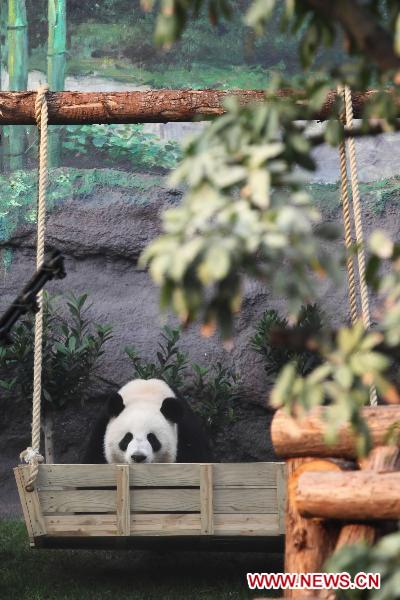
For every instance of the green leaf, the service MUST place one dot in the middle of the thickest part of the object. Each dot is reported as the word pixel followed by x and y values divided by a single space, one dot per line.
pixel 215 266
pixel 259 12
pixel 334 132
pixel 380 244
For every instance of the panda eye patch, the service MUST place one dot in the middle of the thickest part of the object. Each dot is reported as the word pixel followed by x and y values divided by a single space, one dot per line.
pixel 154 442
pixel 125 441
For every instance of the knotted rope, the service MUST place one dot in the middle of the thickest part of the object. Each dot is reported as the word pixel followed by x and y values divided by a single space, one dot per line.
pixel 356 203
pixel 32 454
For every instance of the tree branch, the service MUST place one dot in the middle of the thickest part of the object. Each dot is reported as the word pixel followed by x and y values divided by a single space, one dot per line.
pixel 356 132
pixel 360 25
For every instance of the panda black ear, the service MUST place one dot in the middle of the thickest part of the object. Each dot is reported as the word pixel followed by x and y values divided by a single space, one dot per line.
pixel 172 409
pixel 115 405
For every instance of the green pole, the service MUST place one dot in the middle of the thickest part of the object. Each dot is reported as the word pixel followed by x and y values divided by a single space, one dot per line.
pixel 17 30
pixel 56 49
pixel 3 25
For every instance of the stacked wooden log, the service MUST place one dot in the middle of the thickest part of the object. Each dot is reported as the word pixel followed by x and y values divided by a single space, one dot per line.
pixel 332 499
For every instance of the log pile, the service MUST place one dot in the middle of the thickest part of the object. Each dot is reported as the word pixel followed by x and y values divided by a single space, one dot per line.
pixel 333 500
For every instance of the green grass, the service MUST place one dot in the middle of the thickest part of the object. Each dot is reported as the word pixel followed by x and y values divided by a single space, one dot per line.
pixel 18 191
pixel 376 195
pixel 197 76
pixel 96 575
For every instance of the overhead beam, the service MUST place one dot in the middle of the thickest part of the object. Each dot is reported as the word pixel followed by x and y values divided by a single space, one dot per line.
pixel 153 106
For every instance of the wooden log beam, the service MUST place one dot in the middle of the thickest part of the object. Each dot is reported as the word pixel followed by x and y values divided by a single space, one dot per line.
pixel 356 496
pixel 306 437
pixel 308 542
pixel 383 459
pixel 153 106
pixel 380 459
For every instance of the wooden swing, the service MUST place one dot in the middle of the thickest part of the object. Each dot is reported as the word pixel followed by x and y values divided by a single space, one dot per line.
pixel 220 505
pixel 127 503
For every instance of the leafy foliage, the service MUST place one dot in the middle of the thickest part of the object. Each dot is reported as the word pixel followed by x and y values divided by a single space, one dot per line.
pixel 382 558
pixel 350 366
pixel 243 211
pixel 121 143
pixel 171 363
pixel 72 347
pixel 275 357
pixel 213 388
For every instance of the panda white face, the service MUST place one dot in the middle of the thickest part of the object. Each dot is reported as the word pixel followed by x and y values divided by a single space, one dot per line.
pixel 144 428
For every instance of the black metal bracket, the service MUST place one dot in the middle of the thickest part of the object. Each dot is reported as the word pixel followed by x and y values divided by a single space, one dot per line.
pixel 53 267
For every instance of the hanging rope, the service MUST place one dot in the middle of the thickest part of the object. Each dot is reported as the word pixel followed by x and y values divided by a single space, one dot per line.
pixel 32 454
pixel 356 201
pixel 348 237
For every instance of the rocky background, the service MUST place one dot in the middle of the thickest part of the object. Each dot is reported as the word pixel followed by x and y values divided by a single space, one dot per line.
pixel 101 236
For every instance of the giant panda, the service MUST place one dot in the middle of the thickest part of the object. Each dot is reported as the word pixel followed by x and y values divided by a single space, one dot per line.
pixel 144 422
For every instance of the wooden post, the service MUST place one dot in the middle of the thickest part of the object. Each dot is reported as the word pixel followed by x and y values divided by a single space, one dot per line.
pixel 123 501
pixel 206 500
pixel 308 541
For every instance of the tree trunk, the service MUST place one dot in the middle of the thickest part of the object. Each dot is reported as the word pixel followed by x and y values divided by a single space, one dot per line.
pixel 56 67
pixel 48 430
pixel 308 542
pixel 153 106
pixel 18 73
pixel 306 437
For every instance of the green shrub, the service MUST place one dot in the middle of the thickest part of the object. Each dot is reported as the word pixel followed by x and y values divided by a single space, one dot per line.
pixel 121 143
pixel 213 389
pixel 170 364
pixel 275 357
pixel 72 347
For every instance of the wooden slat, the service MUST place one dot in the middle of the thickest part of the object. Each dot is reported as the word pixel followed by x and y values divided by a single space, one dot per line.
pixel 242 500
pixel 165 500
pixel 226 500
pixel 123 500
pixel 245 474
pixel 104 475
pixel 81 525
pixel 73 501
pixel 162 525
pixel 159 475
pixel 164 475
pixel 281 495
pixel 22 492
pixel 76 476
pixel 246 525
pixel 206 499
pixel 32 504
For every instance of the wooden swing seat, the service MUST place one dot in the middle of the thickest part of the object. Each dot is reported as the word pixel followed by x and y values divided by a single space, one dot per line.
pixel 116 505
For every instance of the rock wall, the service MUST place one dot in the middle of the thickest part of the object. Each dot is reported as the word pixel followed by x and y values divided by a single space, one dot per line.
pixel 101 237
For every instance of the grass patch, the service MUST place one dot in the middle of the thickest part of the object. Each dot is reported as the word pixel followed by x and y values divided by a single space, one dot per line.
pixel 96 575
pixel 194 76
pixel 376 195
pixel 18 191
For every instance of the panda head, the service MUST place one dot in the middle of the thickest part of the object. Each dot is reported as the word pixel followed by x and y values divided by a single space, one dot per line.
pixel 143 423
